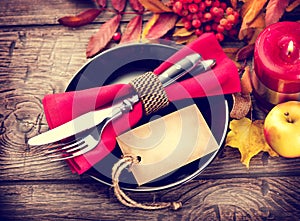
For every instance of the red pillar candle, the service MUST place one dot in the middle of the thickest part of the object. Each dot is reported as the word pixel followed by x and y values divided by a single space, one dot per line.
pixel 276 74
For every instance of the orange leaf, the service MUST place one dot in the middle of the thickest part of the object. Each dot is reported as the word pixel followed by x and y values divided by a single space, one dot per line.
pixel 164 23
pixel 182 32
pixel 99 40
pixel 81 19
pixel 149 25
pixel 119 5
pixel 136 5
pixel 133 30
pixel 249 138
pixel 275 10
pixel 155 6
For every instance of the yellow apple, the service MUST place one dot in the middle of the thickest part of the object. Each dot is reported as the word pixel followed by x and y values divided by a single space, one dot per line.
pixel 282 129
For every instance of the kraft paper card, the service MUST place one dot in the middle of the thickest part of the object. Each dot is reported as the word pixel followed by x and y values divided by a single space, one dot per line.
pixel 168 143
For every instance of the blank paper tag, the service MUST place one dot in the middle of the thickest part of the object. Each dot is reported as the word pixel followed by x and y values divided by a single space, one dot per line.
pixel 168 143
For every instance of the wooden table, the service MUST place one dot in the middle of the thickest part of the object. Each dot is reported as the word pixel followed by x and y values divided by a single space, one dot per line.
pixel 37 57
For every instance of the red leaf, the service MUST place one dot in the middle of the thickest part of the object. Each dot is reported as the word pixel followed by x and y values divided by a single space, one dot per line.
pixel 133 30
pixel 101 3
pixel 275 10
pixel 100 39
pixel 164 23
pixel 119 5
pixel 136 5
pixel 81 19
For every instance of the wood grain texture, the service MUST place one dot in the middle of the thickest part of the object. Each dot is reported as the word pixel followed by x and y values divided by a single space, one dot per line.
pixel 41 60
pixel 37 57
pixel 39 12
pixel 226 199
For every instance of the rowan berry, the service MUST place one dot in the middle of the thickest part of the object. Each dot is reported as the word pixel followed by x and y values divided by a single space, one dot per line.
pixel 220 37
pixel 187 25
pixel 193 8
pixel 117 36
pixel 196 23
pixel 229 11
pixel 198 32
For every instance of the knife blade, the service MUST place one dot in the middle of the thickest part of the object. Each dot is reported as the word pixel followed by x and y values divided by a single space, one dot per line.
pixel 91 119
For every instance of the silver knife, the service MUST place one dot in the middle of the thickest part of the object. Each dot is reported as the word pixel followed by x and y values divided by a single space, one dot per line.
pixel 86 121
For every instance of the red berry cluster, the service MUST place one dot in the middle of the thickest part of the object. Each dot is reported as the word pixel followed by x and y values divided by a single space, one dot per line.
pixel 207 16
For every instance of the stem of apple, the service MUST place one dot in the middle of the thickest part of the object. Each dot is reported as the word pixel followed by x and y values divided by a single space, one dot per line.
pixel 288 118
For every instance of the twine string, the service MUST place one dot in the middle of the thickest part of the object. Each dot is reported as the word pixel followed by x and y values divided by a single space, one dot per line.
pixel 128 161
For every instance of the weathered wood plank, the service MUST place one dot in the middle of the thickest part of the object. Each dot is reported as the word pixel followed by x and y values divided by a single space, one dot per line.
pixel 41 60
pixel 222 199
pixel 38 12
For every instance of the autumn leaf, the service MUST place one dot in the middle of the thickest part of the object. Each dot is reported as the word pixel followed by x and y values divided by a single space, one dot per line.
pixel 155 6
pixel 182 32
pixel 275 10
pixel 161 26
pixel 242 101
pixel 99 40
pixel 249 138
pixel 293 5
pixel 149 25
pixel 101 3
pixel 245 52
pixel 133 30
pixel 233 3
pixel 81 19
pixel 186 40
pixel 251 13
pixel 136 5
pixel 119 5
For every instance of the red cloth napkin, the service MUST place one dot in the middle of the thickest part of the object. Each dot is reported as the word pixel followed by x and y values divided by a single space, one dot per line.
pixel 60 108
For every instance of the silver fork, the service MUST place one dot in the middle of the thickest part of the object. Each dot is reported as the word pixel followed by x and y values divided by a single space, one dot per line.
pixel 83 144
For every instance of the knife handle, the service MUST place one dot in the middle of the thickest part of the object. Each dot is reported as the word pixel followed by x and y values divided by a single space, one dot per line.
pixel 179 69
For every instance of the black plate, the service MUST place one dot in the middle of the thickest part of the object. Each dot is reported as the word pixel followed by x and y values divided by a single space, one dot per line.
pixel 122 63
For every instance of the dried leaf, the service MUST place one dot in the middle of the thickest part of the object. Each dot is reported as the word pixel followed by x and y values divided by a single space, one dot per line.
pixel 246 86
pixel 101 3
pixel 252 17
pixel 164 23
pixel 136 5
pixel 119 5
pixel 81 19
pixel 133 30
pixel 249 138
pixel 233 3
pixel 293 5
pixel 245 52
pixel 182 32
pixel 149 25
pixel 241 105
pixel 180 23
pixel 155 6
pixel 99 40
pixel 275 10
pixel 248 30
pixel 186 40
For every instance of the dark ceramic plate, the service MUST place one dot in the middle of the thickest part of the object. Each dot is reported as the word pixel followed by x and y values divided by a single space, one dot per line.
pixel 122 63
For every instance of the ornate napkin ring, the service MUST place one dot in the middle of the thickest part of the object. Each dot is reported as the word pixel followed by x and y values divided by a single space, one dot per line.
pixel 150 91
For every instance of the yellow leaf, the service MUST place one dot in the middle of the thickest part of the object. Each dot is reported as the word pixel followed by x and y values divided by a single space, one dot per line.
pixel 155 6
pixel 249 138
pixel 182 32
pixel 149 25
